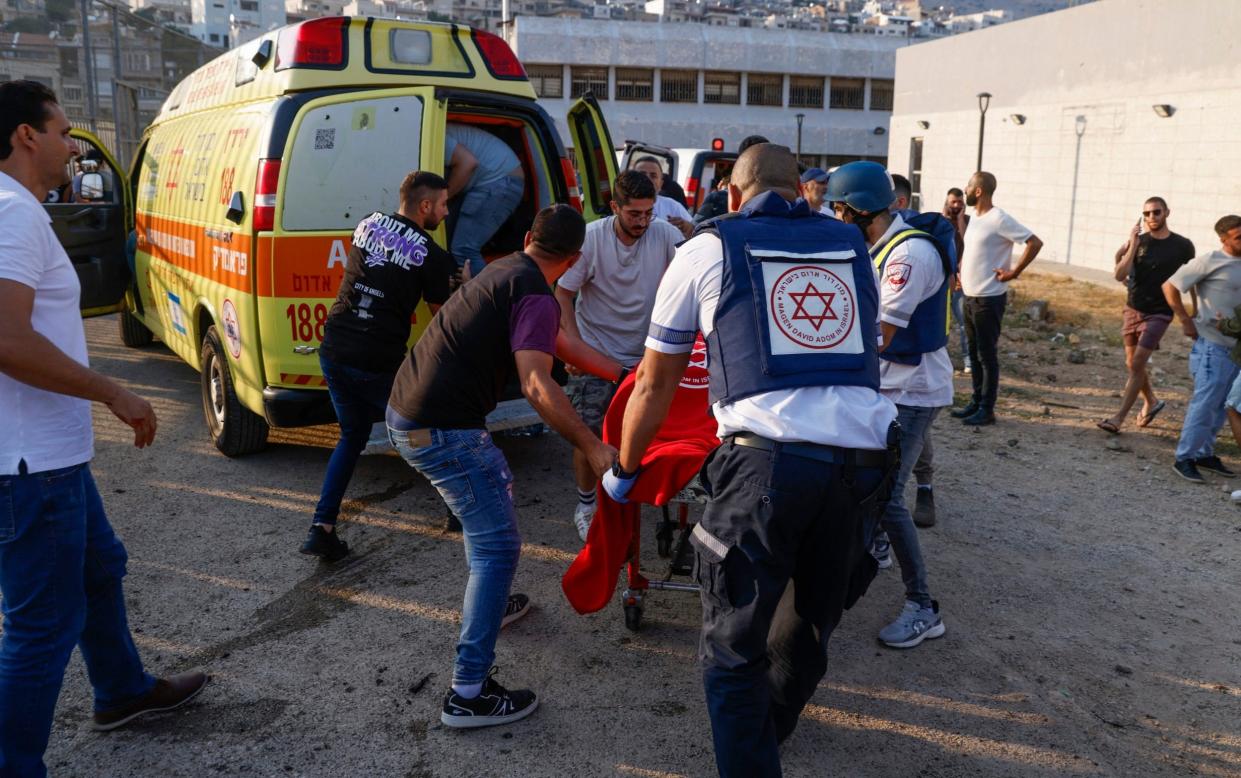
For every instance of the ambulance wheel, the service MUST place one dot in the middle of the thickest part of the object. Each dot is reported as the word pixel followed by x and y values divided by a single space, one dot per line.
pixel 133 332
pixel 235 429
pixel 633 617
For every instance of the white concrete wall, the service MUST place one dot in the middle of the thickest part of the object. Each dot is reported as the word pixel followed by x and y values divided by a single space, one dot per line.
pixel 1108 62
pixel 703 47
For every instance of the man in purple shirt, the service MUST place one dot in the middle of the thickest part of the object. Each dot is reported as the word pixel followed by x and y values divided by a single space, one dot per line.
pixel 504 320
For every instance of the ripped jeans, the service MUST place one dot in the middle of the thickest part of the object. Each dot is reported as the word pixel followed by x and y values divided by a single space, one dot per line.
pixel 476 482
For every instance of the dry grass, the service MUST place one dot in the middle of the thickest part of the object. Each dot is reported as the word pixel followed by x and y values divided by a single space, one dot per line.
pixel 1074 304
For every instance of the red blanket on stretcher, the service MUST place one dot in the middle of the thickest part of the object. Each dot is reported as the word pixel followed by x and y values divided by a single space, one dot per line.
pixel 674 458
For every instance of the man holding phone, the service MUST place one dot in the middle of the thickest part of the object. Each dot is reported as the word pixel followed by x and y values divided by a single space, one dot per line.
pixel 1144 263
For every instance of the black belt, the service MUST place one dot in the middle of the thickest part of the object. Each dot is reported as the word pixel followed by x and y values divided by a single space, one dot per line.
pixel 832 454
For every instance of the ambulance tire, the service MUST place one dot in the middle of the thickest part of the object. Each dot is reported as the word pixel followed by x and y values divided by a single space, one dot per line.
pixel 234 428
pixel 133 332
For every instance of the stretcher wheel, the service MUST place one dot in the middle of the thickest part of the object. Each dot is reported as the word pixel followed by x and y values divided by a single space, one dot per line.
pixel 633 617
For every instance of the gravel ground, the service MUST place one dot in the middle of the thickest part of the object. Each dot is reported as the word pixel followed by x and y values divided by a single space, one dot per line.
pixel 1088 592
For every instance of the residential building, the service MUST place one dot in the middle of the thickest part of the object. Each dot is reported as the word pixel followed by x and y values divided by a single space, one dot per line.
pixel 1081 128
pixel 228 23
pixel 684 84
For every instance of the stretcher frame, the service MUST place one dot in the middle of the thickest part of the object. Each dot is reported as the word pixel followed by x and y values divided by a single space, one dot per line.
pixel 637 583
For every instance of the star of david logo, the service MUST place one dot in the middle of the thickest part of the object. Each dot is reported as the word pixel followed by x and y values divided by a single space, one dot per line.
pixel 803 314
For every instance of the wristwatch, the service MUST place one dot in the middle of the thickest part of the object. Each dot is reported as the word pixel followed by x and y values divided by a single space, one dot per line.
pixel 617 472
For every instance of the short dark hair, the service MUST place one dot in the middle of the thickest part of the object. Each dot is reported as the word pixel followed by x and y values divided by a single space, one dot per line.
pixel 560 229
pixel 985 181
pixel 419 186
pixel 1227 224
pixel 633 185
pixel 22 102
pixel 901 186
pixel 956 192
pixel 1157 199
pixel 748 141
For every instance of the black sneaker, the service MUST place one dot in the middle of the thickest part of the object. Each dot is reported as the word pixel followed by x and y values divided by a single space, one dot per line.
pixel 967 411
pixel 518 606
pixel 1186 469
pixel 1214 465
pixel 981 418
pixel 494 705
pixel 325 545
pixel 924 510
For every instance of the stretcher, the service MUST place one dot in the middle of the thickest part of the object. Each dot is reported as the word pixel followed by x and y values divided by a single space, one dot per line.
pixel 637 582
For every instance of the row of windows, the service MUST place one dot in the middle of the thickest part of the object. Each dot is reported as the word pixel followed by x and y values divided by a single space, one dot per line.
pixel 718 87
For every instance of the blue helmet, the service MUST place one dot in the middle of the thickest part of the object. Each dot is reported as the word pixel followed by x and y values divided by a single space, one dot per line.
pixel 863 186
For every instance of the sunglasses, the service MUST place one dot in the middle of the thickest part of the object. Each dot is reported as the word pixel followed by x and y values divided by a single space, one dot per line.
pixel 1156 212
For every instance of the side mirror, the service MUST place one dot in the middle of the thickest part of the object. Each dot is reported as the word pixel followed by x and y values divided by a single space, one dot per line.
pixel 236 208
pixel 92 186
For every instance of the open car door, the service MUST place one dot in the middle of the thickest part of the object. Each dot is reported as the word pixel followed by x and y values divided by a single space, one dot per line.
pixel 92 216
pixel 593 152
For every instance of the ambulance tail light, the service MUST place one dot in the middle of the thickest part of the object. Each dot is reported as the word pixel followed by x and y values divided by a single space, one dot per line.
pixel 500 60
pixel 265 183
pixel 691 192
pixel 570 181
pixel 317 43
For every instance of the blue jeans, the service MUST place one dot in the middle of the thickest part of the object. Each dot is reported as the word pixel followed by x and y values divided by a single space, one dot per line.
pixel 475 481
pixel 777 552
pixel 360 398
pixel 897 522
pixel 958 323
pixel 483 211
pixel 1213 373
pixel 60 575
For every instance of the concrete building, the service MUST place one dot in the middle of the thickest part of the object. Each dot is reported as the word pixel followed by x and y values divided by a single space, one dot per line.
pixel 1094 109
pixel 228 23
pixel 684 84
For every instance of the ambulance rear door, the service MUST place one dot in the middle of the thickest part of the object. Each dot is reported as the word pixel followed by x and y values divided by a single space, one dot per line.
pixel 343 158
pixel 596 160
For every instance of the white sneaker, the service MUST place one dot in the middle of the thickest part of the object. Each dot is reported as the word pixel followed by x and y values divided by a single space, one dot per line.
pixel 1236 496
pixel 582 517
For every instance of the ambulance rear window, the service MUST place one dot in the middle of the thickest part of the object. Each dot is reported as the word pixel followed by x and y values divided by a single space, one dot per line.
pixel 348 159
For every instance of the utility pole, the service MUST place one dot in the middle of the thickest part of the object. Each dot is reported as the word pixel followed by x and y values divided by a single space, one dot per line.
pixel 984 101
pixel 118 147
pixel 92 99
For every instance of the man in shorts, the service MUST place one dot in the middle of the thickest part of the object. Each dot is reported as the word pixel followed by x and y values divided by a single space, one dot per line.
pixel 1144 263
pixel 614 283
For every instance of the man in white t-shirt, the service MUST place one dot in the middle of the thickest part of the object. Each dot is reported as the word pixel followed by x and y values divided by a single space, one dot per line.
pixel 665 207
pixel 614 282
pixel 914 369
pixel 60 562
pixel 986 270
pixel 794 382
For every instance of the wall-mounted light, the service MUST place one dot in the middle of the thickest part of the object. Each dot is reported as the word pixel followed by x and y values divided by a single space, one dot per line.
pixel 1018 118
pixel 879 131
pixel 923 124
pixel 1163 110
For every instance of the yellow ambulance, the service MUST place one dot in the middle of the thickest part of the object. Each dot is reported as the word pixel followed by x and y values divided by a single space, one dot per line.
pixel 248 185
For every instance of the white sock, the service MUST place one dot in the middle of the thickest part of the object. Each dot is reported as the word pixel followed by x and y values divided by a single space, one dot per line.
pixel 468 690
pixel 587 497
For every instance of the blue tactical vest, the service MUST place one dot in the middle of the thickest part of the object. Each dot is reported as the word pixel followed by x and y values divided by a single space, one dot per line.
pixel 928 327
pixel 798 303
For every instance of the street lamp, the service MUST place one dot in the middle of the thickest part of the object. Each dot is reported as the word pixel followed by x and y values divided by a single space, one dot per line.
pixel 801 117
pixel 984 102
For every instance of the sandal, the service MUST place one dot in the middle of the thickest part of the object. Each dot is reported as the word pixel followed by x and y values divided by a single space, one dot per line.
pixel 1107 426
pixel 1145 419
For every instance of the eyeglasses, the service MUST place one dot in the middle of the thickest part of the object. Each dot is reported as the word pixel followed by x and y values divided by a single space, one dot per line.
pixel 1156 212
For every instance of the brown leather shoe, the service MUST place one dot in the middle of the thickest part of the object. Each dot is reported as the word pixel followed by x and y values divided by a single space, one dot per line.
pixel 168 693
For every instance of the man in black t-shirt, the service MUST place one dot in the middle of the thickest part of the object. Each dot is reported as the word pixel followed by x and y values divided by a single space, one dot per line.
pixel 393 265
pixel 1144 263
pixel 503 321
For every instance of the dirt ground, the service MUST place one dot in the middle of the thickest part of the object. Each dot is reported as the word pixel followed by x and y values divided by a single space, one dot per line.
pixel 1089 594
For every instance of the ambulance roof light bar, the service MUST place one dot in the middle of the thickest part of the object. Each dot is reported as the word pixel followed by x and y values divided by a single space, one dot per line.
pixel 321 44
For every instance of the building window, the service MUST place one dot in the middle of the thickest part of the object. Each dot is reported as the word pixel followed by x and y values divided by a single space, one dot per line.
pixel 764 89
pixel 249 5
pixel 848 93
pixel 678 86
pixel 721 88
pixel 71 93
pixel 588 80
pixel 915 173
pixel 547 80
pixel 880 95
pixel 635 84
pixel 215 38
pixel 805 92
